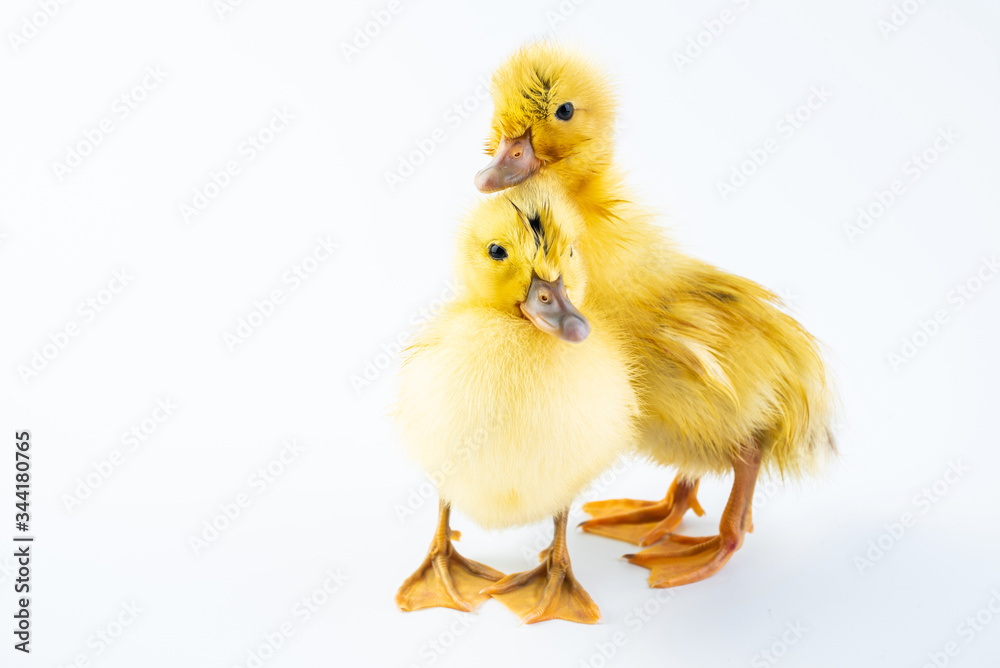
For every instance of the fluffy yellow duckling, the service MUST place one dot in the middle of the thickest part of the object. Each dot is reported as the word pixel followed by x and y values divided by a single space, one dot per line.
pixel 513 400
pixel 727 380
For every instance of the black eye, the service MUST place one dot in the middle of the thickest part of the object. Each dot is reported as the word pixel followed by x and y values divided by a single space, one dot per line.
pixel 565 111
pixel 497 252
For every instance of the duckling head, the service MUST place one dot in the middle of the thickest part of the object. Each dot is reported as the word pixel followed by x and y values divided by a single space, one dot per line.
pixel 553 110
pixel 516 254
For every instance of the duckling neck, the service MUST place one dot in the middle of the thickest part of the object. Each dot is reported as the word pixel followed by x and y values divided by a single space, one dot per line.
pixel 601 199
pixel 597 193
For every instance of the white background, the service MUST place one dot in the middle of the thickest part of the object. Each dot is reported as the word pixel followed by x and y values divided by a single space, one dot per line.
pixel 336 507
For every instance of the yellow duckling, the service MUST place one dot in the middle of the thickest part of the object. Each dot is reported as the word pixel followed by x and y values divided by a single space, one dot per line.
pixel 727 381
pixel 513 400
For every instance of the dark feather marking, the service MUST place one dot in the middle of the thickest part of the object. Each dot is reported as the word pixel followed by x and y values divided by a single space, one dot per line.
pixel 722 296
pixel 533 224
pixel 536 94
pixel 536 229
pixel 542 79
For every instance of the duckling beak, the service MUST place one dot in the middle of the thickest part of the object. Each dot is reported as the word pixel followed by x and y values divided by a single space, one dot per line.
pixel 550 310
pixel 513 162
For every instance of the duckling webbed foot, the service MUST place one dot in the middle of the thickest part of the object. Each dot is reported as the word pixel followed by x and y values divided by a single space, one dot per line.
pixel 643 522
pixel 446 579
pixel 678 560
pixel 549 591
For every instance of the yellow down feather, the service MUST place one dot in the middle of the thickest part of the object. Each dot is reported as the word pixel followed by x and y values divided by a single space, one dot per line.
pixel 510 422
pixel 720 365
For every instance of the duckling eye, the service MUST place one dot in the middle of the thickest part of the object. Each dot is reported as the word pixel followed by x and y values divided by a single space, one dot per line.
pixel 565 111
pixel 497 253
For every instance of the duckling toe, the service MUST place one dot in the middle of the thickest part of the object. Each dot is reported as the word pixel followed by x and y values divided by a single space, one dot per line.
pixel 548 591
pixel 643 522
pixel 545 593
pixel 622 526
pixel 612 507
pixel 446 581
pixel 680 560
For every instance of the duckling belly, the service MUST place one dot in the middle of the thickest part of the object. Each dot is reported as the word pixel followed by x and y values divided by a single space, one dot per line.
pixel 523 470
pixel 510 423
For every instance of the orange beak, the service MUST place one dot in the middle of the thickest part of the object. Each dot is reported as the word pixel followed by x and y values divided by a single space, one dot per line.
pixel 513 162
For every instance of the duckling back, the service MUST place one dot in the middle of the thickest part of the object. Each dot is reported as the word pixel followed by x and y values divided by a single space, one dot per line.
pixel 720 365
pixel 509 422
pixel 725 367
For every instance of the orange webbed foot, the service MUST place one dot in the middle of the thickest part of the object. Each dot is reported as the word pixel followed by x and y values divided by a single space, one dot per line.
pixel 548 591
pixel 643 522
pixel 678 560
pixel 446 579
